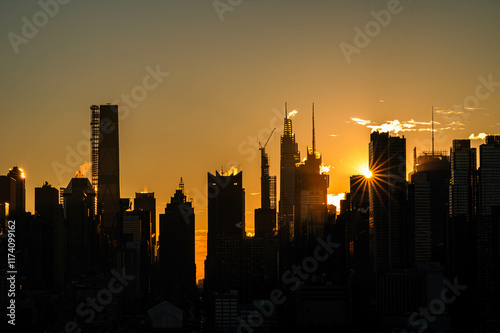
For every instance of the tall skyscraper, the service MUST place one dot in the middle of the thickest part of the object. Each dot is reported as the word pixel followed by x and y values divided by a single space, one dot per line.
pixel 463 182
pixel 289 156
pixel 311 187
pixel 226 229
pixel 50 217
pixel 20 194
pixel 429 193
pixel 357 225
pixel 488 230
pixel 460 232
pixel 387 191
pixel 7 199
pixel 146 201
pixel 226 207
pixel 108 192
pixel 265 216
pixel 489 175
pixel 177 254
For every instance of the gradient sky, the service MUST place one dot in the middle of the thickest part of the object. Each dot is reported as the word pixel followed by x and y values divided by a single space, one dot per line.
pixel 228 81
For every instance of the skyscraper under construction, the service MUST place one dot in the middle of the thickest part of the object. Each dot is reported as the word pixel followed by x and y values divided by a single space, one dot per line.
pixel 106 165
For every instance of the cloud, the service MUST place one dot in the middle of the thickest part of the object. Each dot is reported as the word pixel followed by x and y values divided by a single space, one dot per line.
pixel 333 134
pixel 412 125
pixel 360 121
pixel 472 109
pixel 448 112
pixel 480 136
pixel 381 101
pixel 455 124
pixel 393 126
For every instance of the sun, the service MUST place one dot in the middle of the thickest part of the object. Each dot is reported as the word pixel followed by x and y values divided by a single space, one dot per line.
pixel 365 171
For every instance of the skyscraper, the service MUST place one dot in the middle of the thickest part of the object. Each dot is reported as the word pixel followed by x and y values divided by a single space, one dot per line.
pixel 387 189
pixel 429 192
pixel 226 229
pixel 46 200
pixel 489 175
pixel 7 198
pixel 177 253
pixel 488 229
pixel 108 192
pixel 265 216
pixel 82 238
pixel 311 186
pixel 460 232
pixel 289 156
pixel 20 194
pixel 146 201
pixel 463 180
pixel 50 216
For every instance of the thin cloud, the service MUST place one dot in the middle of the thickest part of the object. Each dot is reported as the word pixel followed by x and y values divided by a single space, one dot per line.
pixel 360 121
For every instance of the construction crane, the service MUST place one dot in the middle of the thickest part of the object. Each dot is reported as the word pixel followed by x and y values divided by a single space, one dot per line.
pixel 269 138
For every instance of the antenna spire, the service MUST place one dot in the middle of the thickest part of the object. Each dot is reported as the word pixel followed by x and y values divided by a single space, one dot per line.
pixel 432 122
pixel 181 185
pixel 314 138
pixel 286 112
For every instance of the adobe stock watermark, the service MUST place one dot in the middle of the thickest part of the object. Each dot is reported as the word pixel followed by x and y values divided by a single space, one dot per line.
pixel 30 28
pixel 222 6
pixel 292 279
pixel 78 155
pixel 103 298
pixel 436 306
pixel 372 29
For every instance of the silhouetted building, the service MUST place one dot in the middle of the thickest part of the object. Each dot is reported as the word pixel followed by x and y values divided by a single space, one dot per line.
pixel 462 209
pixel 289 156
pixel 359 193
pixel 134 251
pixel 177 254
pixel 265 216
pixel 311 186
pixel 82 240
pixel 265 222
pixel 7 198
pixel 429 206
pixel 226 230
pixel 20 194
pixel 488 231
pixel 463 188
pixel 108 192
pixel 146 201
pixel 387 193
pixel 48 227
pixel 357 226
pixel 226 208
pixel 46 200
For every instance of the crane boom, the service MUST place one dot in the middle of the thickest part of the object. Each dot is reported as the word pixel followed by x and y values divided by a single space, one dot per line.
pixel 269 138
